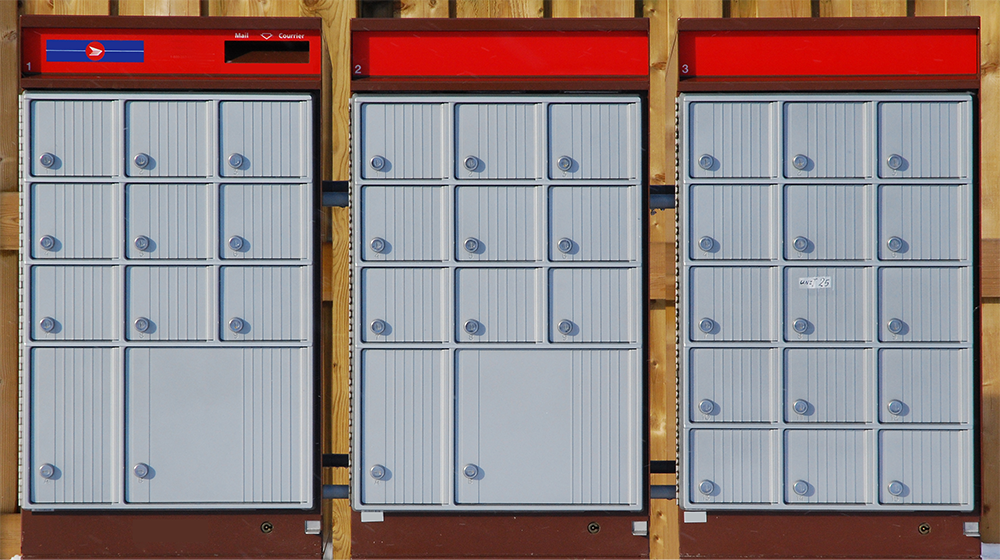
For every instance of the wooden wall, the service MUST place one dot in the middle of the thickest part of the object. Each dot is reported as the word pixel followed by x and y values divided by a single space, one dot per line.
pixel 336 14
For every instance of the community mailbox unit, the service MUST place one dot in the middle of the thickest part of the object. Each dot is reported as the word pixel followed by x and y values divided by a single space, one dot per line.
pixel 169 286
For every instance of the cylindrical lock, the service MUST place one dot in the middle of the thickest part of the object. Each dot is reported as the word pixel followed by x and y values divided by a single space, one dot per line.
pixel 472 326
pixel 894 244
pixel 565 163
pixel 895 326
pixel 895 488
pixel 706 325
pixel 378 244
pixel 895 407
pixel 895 161
pixel 377 472
pixel 471 163
pixel 142 243
pixel 236 243
pixel 378 326
pixel 47 242
pixel 377 163
pixel 800 406
pixel 706 243
pixel 800 244
pixel 706 162
pixel 800 325
pixel 141 160
pixel 141 470
pixel 706 406
pixel 47 160
pixel 565 326
pixel 235 161
pixel 706 487
pixel 470 471
pixel 800 487
pixel 236 325
pixel 472 244
pixel 800 162
pixel 142 324
pixel 48 324
pixel 47 470
pixel 565 245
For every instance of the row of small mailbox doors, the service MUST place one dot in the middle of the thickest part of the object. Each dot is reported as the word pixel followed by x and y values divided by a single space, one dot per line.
pixel 82 138
pixel 830 467
pixel 829 222
pixel 170 303
pixel 169 221
pixel 829 140
pixel 830 385
pixel 846 304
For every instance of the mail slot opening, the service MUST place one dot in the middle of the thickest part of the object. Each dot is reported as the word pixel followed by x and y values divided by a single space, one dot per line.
pixel 279 52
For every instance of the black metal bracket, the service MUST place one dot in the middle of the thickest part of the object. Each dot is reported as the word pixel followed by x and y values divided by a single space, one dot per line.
pixel 663 467
pixel 336 460
pixel 335 193
pixel 661 197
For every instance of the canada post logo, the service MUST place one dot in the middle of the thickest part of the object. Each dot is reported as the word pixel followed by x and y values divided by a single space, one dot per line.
pixel 65 50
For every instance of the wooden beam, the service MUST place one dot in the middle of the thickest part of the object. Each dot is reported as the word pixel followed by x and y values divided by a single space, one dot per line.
pixel 9 341
pixel 662 251
pixel 499 8
pixel 159 7
pixel 10 535
pixel 254 8
pixel 593 8
pixel 423 8
pixel 862 8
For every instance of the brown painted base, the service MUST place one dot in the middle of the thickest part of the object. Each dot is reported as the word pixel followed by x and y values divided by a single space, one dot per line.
pixel 497 536
pixel 167 535
pixel 814 535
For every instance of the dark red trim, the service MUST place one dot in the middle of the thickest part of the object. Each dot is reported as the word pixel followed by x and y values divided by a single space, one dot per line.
pixel 708 85
pixel 172 83
pixel 827 23
pixel 500 24
pixel 168 22
pixel 506 84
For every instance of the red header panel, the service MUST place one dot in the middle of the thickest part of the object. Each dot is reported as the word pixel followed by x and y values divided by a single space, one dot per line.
pixel 851 50
pixel 499 50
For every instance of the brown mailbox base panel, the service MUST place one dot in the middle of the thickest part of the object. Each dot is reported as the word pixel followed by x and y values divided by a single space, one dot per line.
pixel 816 535
pixel 497 536
pixel 158 535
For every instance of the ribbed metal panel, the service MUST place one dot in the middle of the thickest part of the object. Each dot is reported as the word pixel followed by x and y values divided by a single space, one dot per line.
pixel 928 136
pixel 410 301
pixel 504 303
pixel 272 137
pixel 839 312
pixel 502 221
pixel 832 136
pixel 595 136
pixel 174 300
pixel 268 300
pixel 732 385
pixel 569 443
pixel 403 396
pixel 82 300
pixel 929 302
pixel 503 137
pixel 409 137
pixel 834 383
pixel 270 221
pixel 81 136
pixel 932 222
pixel 927 385
pixel 833 464
pixel 738 301
pixel 737 137
pixel 596 302
pixel 932 466
pixel 83 220
pixel 409 221
pixel 173 217
pixel 732 221
pixel 841 235
pixel 598 221
pixel 174 135
pixel 73 421
pixel 737 464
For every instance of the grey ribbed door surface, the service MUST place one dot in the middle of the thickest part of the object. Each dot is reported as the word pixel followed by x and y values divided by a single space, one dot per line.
pixel 825 303
pixel 168 315
pixel 497 255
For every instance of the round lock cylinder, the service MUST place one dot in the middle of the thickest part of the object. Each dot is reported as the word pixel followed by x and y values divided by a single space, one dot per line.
pixel 565 163
pixel 141 470
pixel 800 244
pixel 142 324
pixel 47 324
pixel 565 326
pixel 378 244
pixel 800 487
pixel 47 242
pixel 472 326
pixel 471 163
pixel 706 487
pixel 377 163
pixel 47 470
pixel 895 161
pixel 142 243
pixel 800 325
pixel 378 326
pixel 471 244
pixel 800 162
pixel 895 488
pixel 895 407
pixel 236 325
pixel 235 161
pixel 706 243
pixel 706 325
pixel 141 160
pixel 706 406
pixel 236 243
pixel 894 244
pixel 377 472
pixel 47 160
pixel 565 245
pixel 706 162
pixel 470 471
pixel 800 406
pixel 895 326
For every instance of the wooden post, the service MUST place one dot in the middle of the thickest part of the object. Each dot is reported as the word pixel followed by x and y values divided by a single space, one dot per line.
pixel 593 8
pixel 499 8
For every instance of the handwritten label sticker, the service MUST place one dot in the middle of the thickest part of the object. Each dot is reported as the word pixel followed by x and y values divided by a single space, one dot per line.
pixel 816 283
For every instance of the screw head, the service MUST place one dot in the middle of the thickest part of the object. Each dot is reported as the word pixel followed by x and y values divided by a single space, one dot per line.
pixel 47 160
pixel 565 163
pixel 706 487
pixel 378 472
pixel 895 407
pixel 895 326
pixel 377 163
pixel 924 528
pixel 895 161
pixel 800 487
pixel 706 325
pixel 266 527
pixel 894 244
pixel 800 244
pixel 706 162
pixel 565 245
pixel 706 243
pixel 141 470
pixel 142 243
pixel 706 406
pixel 236 243
pixel 235 161
pixel 378 244
pixel 593 527
pixel 236 325
pixel 800 162
pixel 800 406
pixel 895 488
pixel 47 470
pixel 47 242
pixel 472 244
pixel 565 326
pixel 472 326
pixel 800 325
pixel 142 324
pixel 378 326
pixel 471 163
pixel 470 471
pixel 48 324
pixel 141 160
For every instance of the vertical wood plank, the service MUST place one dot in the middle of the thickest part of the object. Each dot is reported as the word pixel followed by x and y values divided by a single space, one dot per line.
pixel 878 8
pixel 835 8
pixel 10 535
pixel 941 8
pixel 593 8
pixel 499 8
pixel 337 395
pixel 254 8
pixel 159 7
pixel 65 7
pixel 8 263
pixel 423 8
pixel 770 8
